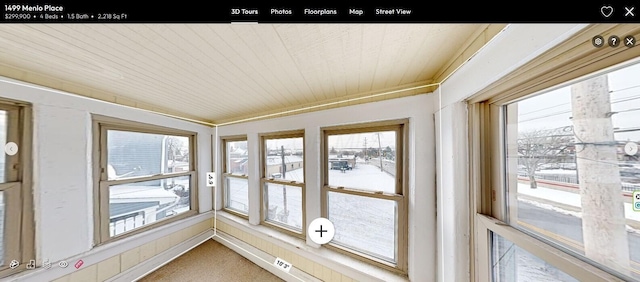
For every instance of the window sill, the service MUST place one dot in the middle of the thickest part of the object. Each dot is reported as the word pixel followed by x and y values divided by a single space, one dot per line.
pixel 346 265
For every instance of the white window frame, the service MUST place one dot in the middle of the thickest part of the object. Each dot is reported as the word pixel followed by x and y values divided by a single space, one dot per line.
pixel 264 179
pixel 226 175
pixel 19 225
pixel 401 128
pixel 486 143
pixel 488 160
pixel 101 125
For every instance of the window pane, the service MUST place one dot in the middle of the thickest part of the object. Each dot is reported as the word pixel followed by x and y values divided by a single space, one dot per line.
pixel 135 154
pixel 572 164
pixel 237 157
pixel 237 194
pixel 365 224
pixel 285 205
pixel 511 263
pixel 3 141
pixel 2 220
pixel 285 159
pixel 137 204
pixel 363 161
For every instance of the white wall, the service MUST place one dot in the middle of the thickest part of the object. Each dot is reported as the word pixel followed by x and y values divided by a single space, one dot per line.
pixel 62 165
pixel 510 49
pixel 421 153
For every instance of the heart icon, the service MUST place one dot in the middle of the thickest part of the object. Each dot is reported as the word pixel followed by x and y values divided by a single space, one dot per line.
pixel 606 11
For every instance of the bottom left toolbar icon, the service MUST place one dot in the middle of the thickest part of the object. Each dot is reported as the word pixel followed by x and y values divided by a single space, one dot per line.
pixel 14 264
pixel 46 264
pixel 31 264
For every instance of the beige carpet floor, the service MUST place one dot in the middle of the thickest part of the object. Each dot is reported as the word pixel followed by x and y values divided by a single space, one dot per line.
pixel 211 261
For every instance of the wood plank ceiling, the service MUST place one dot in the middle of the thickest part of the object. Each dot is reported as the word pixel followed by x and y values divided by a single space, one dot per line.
pixel 219 73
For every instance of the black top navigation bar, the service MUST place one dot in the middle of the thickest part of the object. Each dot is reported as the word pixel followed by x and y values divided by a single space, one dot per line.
pixel 304 12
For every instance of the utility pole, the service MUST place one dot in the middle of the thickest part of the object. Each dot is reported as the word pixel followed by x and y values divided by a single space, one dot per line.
pixel 380 153
pixel 284 164
pixel 365 150
pixel 603 218
pixel 284 188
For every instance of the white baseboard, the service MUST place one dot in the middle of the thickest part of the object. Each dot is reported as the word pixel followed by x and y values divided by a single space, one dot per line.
pixel 144 268
pixel 261 258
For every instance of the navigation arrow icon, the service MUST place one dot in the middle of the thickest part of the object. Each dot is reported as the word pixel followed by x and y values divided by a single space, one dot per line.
pixel 11 148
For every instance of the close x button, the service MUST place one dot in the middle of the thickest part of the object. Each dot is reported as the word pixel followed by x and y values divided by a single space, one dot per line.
pixel 629 41
pixel 630 11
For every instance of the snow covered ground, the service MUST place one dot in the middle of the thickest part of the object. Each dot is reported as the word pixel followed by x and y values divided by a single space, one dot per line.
pixel 275 198
pixel 567 198
pixel 238 193
pixel 557 171
pixel 511 263
pixel 367 224
pixel 362 223
pixel 363 176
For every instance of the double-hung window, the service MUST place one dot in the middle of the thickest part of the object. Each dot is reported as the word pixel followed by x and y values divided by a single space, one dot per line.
pixel 146 176
pixel 556 168
pixel 282 182
pixel 235 176
pixel 16 199
pixel 364 191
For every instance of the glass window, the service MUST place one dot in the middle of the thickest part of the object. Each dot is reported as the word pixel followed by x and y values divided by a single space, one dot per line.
pixel 285 205
pixel 3 168
pixel 283 182
pixel 511 263
pixel 235 177
pixel 136 154
pixel 16 206
pixel 3 142
pixel 147 177
pixel 363 191
pixel 2 220
pixel 573 164
pixel 365 224
pixel 136 204
pixel 360 161
pixel 237 194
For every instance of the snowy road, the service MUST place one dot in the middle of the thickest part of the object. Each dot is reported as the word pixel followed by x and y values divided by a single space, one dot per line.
pixel 569 228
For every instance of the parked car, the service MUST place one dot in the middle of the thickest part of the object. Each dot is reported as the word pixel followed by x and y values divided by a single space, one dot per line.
pixel 341 165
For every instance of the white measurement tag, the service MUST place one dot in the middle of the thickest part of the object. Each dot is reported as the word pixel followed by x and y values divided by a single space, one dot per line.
pixel 282 264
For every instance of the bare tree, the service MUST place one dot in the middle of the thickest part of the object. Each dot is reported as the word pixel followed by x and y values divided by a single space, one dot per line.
pixel 539 147
pixel 174 148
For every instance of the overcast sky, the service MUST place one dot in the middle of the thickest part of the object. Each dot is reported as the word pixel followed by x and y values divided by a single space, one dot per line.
pixel 553 109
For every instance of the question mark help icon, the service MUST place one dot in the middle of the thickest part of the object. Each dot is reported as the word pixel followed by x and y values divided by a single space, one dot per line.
pixel 614 41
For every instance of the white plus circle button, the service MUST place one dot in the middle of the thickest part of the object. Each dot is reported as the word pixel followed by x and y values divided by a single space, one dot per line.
pixel 11 148
pixel 321 231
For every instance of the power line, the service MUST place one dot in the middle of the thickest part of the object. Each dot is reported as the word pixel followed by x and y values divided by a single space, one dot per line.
pixel 569 111
pixel 563 104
